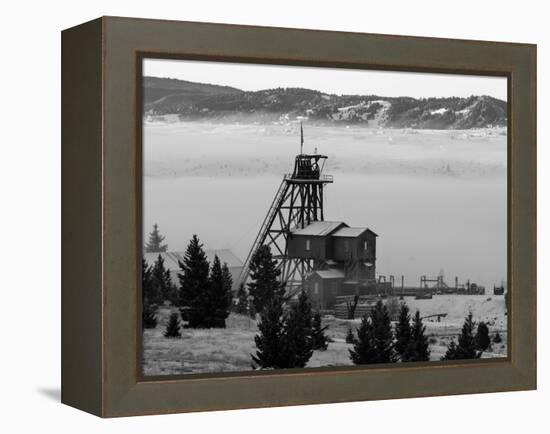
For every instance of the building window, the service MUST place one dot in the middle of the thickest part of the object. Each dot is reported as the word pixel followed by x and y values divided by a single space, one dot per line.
pixel 316 288
pixel 365 245
pixel 346 246
pixel 308 245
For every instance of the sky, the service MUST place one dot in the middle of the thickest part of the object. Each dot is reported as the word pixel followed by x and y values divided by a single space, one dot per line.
pixel 329 80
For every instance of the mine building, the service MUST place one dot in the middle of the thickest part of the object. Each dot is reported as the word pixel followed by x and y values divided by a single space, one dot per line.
pixel 344 260
pixel 327 259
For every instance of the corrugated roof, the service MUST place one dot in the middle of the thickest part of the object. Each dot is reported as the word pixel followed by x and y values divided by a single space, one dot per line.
pixel 330 274
pixel 350 232
pixel 318 228
pixel 171 258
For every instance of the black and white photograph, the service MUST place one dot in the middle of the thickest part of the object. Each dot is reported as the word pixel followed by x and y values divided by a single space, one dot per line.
pixel 275 217
pixel 306 217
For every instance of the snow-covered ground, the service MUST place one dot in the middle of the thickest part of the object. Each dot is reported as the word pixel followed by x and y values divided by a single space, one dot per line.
pixel 221 350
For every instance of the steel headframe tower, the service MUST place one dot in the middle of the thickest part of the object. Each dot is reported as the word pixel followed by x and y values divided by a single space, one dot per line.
pixel 297 203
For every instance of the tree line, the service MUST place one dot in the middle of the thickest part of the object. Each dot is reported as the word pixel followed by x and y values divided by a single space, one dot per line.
pixel 288 331
pixel 203 296
pixel 376 341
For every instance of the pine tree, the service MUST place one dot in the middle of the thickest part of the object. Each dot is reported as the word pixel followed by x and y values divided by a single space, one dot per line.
pixel 482 336
pixel 227 287
pixel 149 316
pixel 418 348
pixel 173 327
pixel 467 345
pixel 147 288
pixel 218 297
pixel 382 333
pixel 374 343
pixel 194 285
pixel 154 245
pixel 269 341
pixel 320 340
pixel 227 281
pixel 403 331
pixel 363 351
pixel 350 338
pixel 149 309
pixel 297 335
pixel 164 289
pixel 264 278
pixel 242 301
pixel 452 351
pixel 251 310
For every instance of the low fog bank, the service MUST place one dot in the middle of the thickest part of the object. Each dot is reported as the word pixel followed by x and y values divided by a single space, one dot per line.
pixel 436 198
pixel 205 149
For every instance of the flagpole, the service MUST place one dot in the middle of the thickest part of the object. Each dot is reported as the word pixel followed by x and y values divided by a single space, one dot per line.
pixel 301 138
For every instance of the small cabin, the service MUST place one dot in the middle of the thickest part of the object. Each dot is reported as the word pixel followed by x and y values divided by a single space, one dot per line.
pixel 323 286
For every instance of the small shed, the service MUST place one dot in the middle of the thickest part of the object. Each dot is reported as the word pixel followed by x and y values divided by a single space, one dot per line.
pixel 323 287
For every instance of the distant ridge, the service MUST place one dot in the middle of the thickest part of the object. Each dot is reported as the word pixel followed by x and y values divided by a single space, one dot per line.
pixel 191 100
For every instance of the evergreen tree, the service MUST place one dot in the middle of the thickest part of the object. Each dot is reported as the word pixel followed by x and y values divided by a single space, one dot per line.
pixel 482 336
pixel 320 340
pixel 149 309
pixel 403 331
pixel 227 282
pixel 173 326
pixel 227 286
pixel 418 348
pixel 149 316
pixel 164 289
pixel 452 351
pixel 269 341
pixel 242 301
pixel 264 278
pixel 147 287
pixel 297 335
pixel 154 245
pixel 251 310
pixel 382 333
pixel 497 339
pixel 350 338
pixel 218 297
pixel 467 345
pixel 364 351
pixel 374 343
pixel 194 285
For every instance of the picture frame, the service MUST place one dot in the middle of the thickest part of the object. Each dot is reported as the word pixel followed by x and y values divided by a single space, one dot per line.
pixel 101 215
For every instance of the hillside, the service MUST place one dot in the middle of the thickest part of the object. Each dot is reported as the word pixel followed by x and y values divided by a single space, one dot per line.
pixel 192 100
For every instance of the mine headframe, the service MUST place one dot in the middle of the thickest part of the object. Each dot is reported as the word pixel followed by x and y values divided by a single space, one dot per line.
pixel 298 202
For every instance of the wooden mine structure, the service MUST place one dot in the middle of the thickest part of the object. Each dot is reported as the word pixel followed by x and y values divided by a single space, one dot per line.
pixel 297 203
pixel 332 261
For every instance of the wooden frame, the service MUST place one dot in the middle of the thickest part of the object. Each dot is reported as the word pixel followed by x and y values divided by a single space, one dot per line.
pixel 101 228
